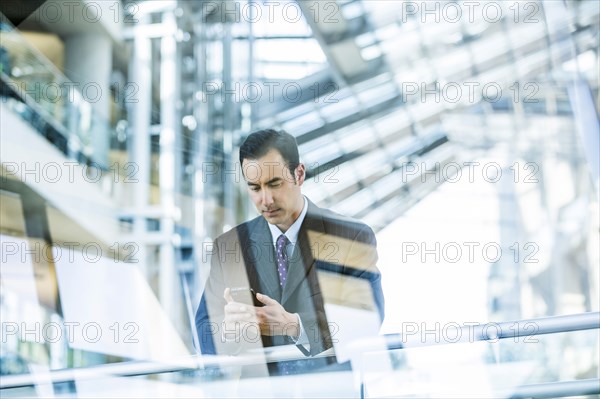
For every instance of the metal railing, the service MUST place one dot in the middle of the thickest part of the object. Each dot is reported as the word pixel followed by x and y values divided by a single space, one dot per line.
pixel 493 332
pixel 490 331
pixel 503 330
pixel 52 102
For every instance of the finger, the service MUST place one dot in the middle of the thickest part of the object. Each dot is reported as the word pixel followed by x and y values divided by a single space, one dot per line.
pixel 227 295
pixel 260 315
pixel 236 307
pixel 266 299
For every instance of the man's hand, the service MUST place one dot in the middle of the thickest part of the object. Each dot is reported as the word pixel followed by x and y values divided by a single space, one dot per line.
pixel 238 318
pixel 273 319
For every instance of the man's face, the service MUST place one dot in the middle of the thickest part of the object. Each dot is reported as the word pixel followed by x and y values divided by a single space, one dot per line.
pixel 272 188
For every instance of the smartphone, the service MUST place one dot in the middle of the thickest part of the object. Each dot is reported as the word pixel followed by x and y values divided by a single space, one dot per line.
pixel 245 295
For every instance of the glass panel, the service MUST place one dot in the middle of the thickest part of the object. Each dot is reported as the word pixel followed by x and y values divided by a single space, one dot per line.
pixel 275 50
pixel 480 369
pixel 304 123
pixel 339 108
pixel 476 209
pixel 65 112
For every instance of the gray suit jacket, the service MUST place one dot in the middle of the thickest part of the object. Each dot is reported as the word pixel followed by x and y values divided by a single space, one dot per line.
pixel 334 260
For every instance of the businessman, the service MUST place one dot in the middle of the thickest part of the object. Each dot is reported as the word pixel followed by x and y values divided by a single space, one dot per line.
pixel 295 256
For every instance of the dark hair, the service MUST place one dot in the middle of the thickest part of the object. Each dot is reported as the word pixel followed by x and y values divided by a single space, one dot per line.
pixel 257 144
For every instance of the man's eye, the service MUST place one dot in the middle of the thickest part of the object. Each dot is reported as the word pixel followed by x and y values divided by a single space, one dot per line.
pixel 254 188
pixel 275 184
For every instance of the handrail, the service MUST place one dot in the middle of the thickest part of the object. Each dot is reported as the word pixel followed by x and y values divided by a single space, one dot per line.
pixel 546 325
pixel 559 389
pixel 490 331
pixel 133 368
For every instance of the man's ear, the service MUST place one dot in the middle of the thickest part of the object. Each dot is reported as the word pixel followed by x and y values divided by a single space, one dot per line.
pixel 300 174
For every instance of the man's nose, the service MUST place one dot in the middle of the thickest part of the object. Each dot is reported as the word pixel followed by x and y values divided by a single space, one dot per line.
pixel 267 197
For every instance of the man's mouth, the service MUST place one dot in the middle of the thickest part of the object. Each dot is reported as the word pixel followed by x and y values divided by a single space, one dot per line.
pixel 271 212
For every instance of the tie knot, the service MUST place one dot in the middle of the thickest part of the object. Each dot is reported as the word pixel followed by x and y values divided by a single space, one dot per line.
pixel 282 241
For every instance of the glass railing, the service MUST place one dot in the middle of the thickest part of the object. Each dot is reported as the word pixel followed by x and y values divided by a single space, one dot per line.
pixel 542 358
pixel 503 368
pixel 546 357
pixel 58 108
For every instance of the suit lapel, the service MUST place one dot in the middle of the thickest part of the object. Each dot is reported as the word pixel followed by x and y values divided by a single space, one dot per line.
pixel 302 260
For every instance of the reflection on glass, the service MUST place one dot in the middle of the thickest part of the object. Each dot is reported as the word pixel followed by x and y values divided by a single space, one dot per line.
pixel 481 369
pixel 398 161
pixel 67 119
pixel 297 275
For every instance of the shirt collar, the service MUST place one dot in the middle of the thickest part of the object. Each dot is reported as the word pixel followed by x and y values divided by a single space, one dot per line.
pixel 292 232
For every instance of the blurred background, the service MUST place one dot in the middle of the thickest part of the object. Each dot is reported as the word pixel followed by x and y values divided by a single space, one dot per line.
pixel 465 134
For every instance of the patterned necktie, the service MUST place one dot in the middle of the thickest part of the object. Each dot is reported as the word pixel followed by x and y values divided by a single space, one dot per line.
pixel 282 259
